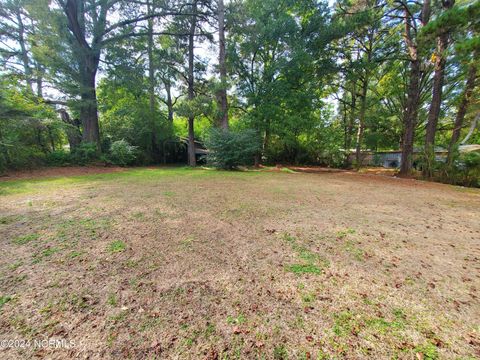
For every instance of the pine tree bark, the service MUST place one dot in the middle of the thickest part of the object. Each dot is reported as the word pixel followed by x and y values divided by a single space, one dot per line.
pixel 361 121
pixel 88 60
pixel 222 92
pixel 23 51
pixel 410 114
pixel 191 91
pixel 437 90
pixel 462 108
pixel 151 81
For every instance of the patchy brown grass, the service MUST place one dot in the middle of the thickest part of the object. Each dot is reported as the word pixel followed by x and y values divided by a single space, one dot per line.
pixel 195 264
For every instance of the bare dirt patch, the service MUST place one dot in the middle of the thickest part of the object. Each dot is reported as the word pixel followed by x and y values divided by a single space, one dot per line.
pixel 206 264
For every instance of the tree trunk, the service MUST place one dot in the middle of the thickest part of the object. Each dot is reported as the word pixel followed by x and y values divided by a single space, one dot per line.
pixel 191 92
pixel 351 122
pixel 74 135
pixel 435 105
pixel 89 109
pixel 168 89
pixel 222 92
pixel 23 51
pixel 410 114
pixel 473 126
pixel 88 59
pixel 361 121
pixel 462 108
pixel 151 82
pixel 410 117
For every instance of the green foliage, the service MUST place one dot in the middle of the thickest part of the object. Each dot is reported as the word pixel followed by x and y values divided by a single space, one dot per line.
pixel 463 170
pixel 27 128
pixel 85 153
pixel 59 158
pixel 122 153
pixel 229 149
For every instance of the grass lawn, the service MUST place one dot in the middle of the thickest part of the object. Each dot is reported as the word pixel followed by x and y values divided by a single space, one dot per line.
pixel 203 264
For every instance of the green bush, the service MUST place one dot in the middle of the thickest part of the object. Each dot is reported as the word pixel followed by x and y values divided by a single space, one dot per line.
pixel 229 150
pixel 464 170
pixel 84 154
pixel 59 158
pixel 122 153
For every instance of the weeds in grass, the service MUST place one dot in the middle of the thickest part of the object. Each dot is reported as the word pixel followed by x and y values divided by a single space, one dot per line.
pixel 209 330
pixel 25 239
pixel 21 325
pixel 119 317
pixel 357 253
pixel 280 352
pixel 73 229
pixel 187 242
pixel 138 215
pixel 149 323
pixel 308 298
pixel 38 257
pixel 344 323
pixel 75 254
pixel 342 234
pixel 14 266
pixel 428 350
pixel 312 262
pixel 239 320
pixel 6 220
pixel 3 300
pixel 112 299
pixel 117 246
pixel 304 269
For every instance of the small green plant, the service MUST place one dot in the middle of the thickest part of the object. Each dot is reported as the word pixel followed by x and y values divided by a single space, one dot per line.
pixel 280 352
pixel 75 254
pixel 112 299
pixel 342 234
pixel 343 323
pixel 357 253
pixel 4 300
pixel 15 265
pixel 44 254
pixel 117 246
pixel 25 239
pixel 428 350
pixel 240 319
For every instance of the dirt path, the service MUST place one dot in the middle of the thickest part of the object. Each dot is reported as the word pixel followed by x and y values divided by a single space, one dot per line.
pixel 179 263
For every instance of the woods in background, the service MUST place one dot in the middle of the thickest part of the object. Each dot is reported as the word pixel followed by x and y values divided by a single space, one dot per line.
pixel 312 83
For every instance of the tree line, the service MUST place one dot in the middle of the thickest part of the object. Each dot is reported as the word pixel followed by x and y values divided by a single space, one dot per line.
pixel 315 82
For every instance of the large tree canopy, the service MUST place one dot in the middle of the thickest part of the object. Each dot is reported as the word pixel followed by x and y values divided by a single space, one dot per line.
pixel 318 82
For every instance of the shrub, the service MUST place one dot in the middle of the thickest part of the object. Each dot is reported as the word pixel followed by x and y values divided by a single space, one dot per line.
pixel 464 170
pixel 59 158
pixel 229 150
pixel 122 153
pixel 84 153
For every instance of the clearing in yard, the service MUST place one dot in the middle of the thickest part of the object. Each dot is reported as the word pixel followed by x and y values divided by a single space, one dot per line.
pixel 182 263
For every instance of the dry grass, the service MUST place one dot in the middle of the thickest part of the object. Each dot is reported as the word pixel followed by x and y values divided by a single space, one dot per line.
pixel 178 263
